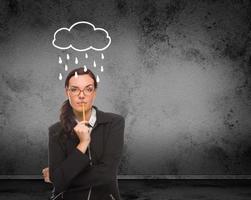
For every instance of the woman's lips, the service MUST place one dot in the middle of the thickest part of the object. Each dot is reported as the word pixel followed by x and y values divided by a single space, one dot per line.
pixel 80 105
pixel 81 102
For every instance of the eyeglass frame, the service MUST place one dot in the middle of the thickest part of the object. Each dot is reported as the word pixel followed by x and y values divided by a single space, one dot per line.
pixel 68 89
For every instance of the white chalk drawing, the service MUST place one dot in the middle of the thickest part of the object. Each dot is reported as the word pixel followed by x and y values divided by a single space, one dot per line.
pixel 74 33
pixel 97 78
pixel 60 76
pixel 76 60
pixel 85 68
pixel 66 67
pixel 82 36
pixel 59 60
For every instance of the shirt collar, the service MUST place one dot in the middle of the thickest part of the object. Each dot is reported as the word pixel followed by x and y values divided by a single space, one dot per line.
pixel 101 117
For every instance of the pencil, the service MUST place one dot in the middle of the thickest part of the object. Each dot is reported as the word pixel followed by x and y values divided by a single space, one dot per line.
pixel 83 112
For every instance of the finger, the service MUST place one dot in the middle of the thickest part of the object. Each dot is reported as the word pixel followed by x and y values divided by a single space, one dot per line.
pixel 84 122
pixel 45 169
pixel 83 112
pixel 82 126
pixel 47 180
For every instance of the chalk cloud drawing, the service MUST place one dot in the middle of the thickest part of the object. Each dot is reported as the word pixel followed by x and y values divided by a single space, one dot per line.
pixel 82 36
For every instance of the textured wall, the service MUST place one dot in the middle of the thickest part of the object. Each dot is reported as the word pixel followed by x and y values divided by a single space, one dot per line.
pixel 179 72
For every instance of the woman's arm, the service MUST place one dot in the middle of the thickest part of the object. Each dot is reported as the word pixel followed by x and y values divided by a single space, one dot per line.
pixel 63 169
pixel 106 170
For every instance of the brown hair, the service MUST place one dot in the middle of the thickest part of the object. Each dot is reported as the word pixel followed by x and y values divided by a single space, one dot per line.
pixel 66 113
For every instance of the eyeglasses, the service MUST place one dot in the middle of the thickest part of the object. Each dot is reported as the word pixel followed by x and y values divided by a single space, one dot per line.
pixel 75 91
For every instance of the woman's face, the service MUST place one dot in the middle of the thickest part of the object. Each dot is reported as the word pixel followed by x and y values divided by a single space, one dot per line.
pixel 86 96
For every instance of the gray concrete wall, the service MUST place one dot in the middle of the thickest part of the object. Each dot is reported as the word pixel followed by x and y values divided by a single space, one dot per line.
pixel 178 71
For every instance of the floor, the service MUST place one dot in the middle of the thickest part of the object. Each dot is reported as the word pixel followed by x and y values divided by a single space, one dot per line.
pixel 142 189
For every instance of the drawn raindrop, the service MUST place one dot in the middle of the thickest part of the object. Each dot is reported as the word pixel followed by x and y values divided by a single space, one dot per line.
pixel 59 60
pixel 76 74
pixel 76 60
pixel 85 68
pixel 102 56
pixel 60 76
pixel 97 79
pixel 86 55
pixel 65 67
pixel 102 69
pixel 67 56
pixel 94 63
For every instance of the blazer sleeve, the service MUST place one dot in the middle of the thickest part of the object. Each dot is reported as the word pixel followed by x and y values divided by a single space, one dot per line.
pixel 106 170
pixel 62 168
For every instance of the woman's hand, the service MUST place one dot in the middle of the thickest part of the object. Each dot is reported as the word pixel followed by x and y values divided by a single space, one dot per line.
pixel 83 134
pixel 45 173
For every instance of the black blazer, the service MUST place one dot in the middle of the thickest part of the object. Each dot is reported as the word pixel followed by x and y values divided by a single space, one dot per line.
pixel 70 169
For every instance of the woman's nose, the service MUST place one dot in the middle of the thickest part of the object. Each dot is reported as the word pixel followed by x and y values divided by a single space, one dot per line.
pixel 81 95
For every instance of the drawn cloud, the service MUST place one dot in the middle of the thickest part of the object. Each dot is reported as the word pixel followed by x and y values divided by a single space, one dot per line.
pixel 82 36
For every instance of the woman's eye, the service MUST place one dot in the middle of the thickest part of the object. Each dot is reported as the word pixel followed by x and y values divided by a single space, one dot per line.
pixel 89 89
pixel 73 89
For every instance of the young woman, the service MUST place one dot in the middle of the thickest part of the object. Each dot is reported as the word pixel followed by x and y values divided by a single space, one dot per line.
pixel 85 146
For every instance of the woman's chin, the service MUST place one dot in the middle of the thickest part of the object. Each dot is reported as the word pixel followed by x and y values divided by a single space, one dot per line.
pixel 77 110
